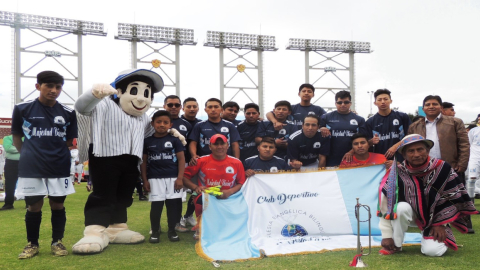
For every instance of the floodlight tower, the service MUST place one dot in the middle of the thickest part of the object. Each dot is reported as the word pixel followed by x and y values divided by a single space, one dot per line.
pixel 341 47
pixel 157 34
pixel 259 43
pixel 33 23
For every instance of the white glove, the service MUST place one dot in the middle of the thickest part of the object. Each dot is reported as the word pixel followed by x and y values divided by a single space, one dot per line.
pixel 101 90
pixel 177 134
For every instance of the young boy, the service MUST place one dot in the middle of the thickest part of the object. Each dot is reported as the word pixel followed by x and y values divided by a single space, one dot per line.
pixel 162 174
pixel 44 168
pixel 267 128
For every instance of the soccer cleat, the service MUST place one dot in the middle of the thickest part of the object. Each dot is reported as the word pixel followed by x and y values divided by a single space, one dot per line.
pixel 58 249
pixel 29 251
pixel 180 228
pixel 192 221
pixel 154 238
pixel 172 236
pixel 143 198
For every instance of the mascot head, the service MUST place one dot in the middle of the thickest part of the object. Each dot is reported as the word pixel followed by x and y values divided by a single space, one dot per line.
pixel 135 90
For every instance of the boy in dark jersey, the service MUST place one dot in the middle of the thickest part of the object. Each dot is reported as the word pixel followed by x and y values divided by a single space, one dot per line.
pixel 299 111
pixel 265 161
pixel 267 129
pixel 247 130
pixel 230 112
pixel 308 146
pixel 44 168
pixel 162 174
pixel 341 124
pixel 386 128
pixel 203 131
pixel 216 169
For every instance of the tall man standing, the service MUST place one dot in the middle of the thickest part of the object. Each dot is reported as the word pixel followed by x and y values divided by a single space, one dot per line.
pixel 341 124
pixel 12 157
pixel 448 135
pixel 49 128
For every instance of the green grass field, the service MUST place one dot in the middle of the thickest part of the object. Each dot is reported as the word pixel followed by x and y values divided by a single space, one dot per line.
pixel 182 255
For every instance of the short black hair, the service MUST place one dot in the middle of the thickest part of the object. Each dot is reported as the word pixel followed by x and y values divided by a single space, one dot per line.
pixel 213 99
pixel 307 85
pixel 358 135
pixel 343 94
pixel 171 97
pixel 429 97
pixel 269 140
pixel 251 105
pixel 161 113
pixel 418 117
pixel 381 92
pixel 189 99
pixel 284 103
pixel 471 126
pixel 311 116
pixel 229 104
pixel 49 76
pixel 447 105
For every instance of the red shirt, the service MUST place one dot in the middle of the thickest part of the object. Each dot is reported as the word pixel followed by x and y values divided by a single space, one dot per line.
pixel 372 159
pixel 211 172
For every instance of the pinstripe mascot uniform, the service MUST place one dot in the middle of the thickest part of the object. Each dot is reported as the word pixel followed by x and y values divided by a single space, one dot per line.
pixel 114 125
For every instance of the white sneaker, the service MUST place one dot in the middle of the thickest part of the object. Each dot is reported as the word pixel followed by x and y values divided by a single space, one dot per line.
pixel 191 220
pixel 183 222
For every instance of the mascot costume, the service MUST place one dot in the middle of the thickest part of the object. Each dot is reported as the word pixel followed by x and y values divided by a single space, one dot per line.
pixel 114 125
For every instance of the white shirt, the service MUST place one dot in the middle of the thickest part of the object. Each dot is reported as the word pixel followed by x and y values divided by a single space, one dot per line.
pixel 112 131
pixel 431 130
pixel 474 138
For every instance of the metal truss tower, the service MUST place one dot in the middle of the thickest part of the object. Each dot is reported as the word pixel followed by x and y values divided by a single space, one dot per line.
pixel 145 34
pixel 36 24
pixel 330 46
pixel 234 42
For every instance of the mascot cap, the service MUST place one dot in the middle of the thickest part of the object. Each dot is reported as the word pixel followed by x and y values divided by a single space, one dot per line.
pixel 157 80
pixel 414 138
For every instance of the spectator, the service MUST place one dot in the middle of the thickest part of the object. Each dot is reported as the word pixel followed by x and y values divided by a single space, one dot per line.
pixel 12 157
pixel 448 109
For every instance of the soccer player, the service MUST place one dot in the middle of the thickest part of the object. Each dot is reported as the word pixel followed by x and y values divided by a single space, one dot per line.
pixel 361 156
pixel 203 131
pixel 265 161
pixel 247 130
pixel 230 112
pixel 341 125
pixel 299 111
pixel 190 111
pixel 267 128
pixel 162 175
pixel 215 169
pixel 44 168
pixel 173 105
pixel 308 146
pixel 387 127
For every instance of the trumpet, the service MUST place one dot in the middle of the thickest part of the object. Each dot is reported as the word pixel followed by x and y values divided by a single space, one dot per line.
pixel 357 260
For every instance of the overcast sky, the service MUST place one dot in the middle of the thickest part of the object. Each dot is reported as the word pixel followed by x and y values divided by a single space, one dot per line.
pixel 420 47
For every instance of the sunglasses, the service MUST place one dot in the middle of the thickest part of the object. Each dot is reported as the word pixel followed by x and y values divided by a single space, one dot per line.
pixel 343 102
pixel 176 105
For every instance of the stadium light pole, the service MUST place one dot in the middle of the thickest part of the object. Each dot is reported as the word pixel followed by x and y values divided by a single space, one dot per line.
pixel 238 41
pixel 21 21
pixel 335 46
pixel 135 33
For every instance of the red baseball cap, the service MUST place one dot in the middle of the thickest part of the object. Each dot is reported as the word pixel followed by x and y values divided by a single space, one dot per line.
pixel 215 137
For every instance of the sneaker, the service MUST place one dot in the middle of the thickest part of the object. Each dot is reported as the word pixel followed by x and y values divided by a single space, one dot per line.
pixel 58 249
pixel 29 251
pixel 159 230
pixel 154 238
pixel 143 198
pixel 172 236
pixel 6 207
pixel 183 222
pixel 180 228
pixel 196 236
pixel 192 221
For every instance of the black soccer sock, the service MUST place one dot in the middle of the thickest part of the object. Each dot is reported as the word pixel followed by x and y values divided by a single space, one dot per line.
pixel 155 215
pixel 139 187
pixel 174 212
pixel 190 207
pixel 59 219
pixel 32 223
